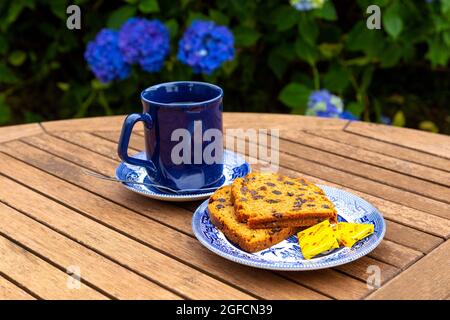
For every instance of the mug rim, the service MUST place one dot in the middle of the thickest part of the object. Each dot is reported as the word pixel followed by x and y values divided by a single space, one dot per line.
pixel 190 104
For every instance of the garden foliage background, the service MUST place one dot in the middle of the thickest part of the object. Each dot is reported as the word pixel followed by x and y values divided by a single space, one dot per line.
pixel 399 73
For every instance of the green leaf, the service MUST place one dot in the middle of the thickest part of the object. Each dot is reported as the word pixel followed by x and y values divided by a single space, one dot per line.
pixel 15 9
pixel 7 75
pixel 279 57
pixel 370 42
pixel 195 16
pixel 445 6
pixel 245 37
pixel 17 58
pixel 438 53
pixel 3 44
pixel 366 78
pixel 148 6
pixel 63 86
pixel 381 3
pixel 97 85
pixel 446 37
pixel 5 111
pixel 219 17
pixel 184 3
pixel 428 126
pixel 295 96
pixel 399 119
pixel 330 50
pixel 304 79
pixel 277 63
pixel 229 66
pixel 308 29
pixel 58 8
pixel 391 56
pixel 119 16
pixel 306 51
pixel 32 117
pixel 377 109
pixel 327 12
pixel 337 78
pixel 392 21
pixel 285 17
pixel 440 23
pixel 172 25
pixel 360 61
pixel 287 51
pixel 355 108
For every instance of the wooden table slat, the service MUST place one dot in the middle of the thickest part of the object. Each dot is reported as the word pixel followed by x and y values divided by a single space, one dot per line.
pixel 432 143
pixel 385 148
pixel 411 238
pixel 427 279
pixel 373 173
pixel 15 132
pixel 359 269
pixel 90 141
pixel 330 282
pixel 369 157
pixel 395 254
pixel 24 267
pixel 9 291
pixel 136 140
pixel 101 272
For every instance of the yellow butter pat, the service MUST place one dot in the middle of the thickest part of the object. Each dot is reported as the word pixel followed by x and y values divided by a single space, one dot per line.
pixel 311 231
pixel 348 234
pixel 317 239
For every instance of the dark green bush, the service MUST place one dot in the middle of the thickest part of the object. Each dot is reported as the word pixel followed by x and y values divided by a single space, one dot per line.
pixel 400 71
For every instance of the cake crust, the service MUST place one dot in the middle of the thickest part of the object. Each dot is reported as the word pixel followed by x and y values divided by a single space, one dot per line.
pixel 222 215
pixel 267 200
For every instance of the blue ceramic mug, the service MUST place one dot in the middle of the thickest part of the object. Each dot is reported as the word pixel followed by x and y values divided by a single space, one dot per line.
pixel 183 135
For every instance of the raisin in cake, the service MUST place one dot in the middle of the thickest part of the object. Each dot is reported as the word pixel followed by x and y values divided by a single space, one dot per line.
pixel 221 213
pixel 267 200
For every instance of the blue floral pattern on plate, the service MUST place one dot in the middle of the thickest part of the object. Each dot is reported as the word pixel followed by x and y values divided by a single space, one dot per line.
pixel 234 166
pixel 287 255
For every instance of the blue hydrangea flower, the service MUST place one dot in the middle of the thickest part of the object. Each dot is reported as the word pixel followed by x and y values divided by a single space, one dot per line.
pixel 306 5
pixel 146 42
pixel 348 115
pixel 104 57
pixel 324 104
pixel 205 46
pixel 385 120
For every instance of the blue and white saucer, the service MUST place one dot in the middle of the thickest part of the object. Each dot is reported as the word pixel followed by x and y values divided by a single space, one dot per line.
pixel 286 255
pixel 234 166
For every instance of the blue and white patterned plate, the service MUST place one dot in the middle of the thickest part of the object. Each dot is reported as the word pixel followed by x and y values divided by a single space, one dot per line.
pixel 287 255
pixel 234 166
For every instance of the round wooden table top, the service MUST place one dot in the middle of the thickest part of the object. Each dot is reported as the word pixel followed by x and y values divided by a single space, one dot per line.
pixel 58 221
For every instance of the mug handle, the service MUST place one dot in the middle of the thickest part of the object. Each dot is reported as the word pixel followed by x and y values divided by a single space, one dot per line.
pixel 124 140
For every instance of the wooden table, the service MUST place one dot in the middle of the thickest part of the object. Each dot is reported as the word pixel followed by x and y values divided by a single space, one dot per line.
pixel 54 218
